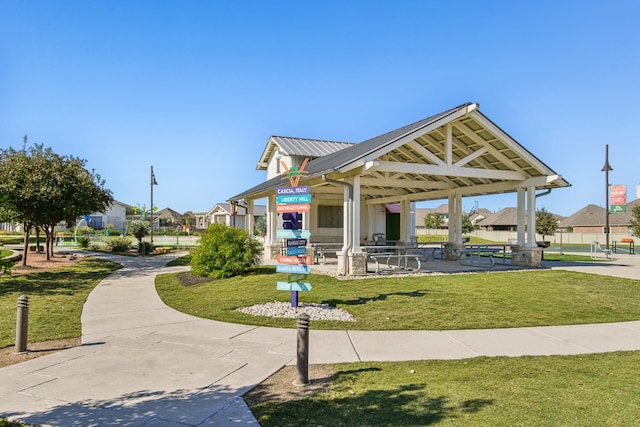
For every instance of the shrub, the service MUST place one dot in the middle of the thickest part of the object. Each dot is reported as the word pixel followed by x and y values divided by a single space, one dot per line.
pixel 83 241
pixel 118 244
pixel 225 252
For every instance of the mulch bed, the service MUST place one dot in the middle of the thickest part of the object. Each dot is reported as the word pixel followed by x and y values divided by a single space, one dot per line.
pixel 188 279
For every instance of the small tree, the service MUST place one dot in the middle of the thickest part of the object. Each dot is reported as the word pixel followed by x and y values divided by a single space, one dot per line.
pixel 635 221
pixel 546 223
pixel 225 252
pixel 433 220
pixel 139 231
pixel 260 227
pixel 467 225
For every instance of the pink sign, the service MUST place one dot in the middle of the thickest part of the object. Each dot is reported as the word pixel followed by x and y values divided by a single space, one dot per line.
pixel 618 195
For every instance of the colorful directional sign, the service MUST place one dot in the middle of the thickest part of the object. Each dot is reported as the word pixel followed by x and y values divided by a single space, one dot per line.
pixel 303 189
pixel 293 286
pixel 299 269
pixel 293 234
pixel 282 259
pixel 293 208
pixel 290 200
pixel 296 242
pixel 297 250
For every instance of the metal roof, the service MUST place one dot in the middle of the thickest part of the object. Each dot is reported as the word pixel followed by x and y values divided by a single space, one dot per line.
pixel 458 150
pixel 304 147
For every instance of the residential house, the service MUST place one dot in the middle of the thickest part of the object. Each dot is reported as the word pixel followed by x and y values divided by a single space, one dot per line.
pixel 114 217
pixel 168 219
pixel 222 213
pixel 504 220
pixel 592 219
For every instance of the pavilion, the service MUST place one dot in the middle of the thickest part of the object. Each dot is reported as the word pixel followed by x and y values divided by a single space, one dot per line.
pixel 450 155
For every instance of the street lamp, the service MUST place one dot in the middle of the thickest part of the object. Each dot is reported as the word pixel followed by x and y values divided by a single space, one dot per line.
pixel 153 182
pixel 606 168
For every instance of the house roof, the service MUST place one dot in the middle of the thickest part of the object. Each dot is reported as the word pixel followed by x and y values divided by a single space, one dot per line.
pixel 594 216
pixel 168 212
pixel 304 147
pixel 457 150
pixel 258 210
pixel 504 217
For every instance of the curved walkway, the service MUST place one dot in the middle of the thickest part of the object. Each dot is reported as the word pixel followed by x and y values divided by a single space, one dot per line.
pixel 143 363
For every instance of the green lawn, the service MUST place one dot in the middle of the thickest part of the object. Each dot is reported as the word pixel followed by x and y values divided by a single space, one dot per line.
pixel 586 390
pixel 438 302
pixel 56 299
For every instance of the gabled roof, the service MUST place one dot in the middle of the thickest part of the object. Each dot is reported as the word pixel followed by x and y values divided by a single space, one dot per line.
pixel 504 217
pixel 168 212
pixel 258 210
pixel 304 147
pixel 590 215
pixel 457 150
pixel 594 216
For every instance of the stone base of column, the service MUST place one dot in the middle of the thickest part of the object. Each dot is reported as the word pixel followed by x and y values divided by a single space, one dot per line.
pixel 451 251
pixel 358 264
pixel 271 252
pixel 341 264
pixel 525 256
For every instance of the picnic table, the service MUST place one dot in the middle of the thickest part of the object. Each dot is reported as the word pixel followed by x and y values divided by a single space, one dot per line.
pixel 322 249
pixel 396 257
pixel 478 252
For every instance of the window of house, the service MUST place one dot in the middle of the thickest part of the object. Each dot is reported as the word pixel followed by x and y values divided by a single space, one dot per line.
pixel 330 216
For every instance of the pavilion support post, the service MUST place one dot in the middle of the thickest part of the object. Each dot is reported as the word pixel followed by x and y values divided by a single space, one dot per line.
pixel 405 214
pixel 531 217
pixel 356 203
pixel 527 253
pixel 271 246
pixel 249 221
pixel 521 216
pixel 454 245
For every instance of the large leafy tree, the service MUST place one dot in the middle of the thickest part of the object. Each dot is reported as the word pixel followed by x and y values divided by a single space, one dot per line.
pixel 42 188
pixel 546 223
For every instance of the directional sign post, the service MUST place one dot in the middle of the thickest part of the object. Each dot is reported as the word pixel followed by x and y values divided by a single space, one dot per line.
pixel 291 202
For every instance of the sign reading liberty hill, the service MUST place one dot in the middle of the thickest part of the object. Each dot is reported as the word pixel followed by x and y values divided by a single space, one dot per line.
pixel 292 202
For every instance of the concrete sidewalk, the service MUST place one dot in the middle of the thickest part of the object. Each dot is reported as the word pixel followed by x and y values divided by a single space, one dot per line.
pixel 142 363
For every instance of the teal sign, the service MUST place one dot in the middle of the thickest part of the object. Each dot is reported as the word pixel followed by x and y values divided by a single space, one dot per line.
pixel 296 251
pixel 293 199
pixel 293 286
pixel 293 268
pixel 293 234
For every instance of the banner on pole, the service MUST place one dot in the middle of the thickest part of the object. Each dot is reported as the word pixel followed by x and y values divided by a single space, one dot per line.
pixel 618 203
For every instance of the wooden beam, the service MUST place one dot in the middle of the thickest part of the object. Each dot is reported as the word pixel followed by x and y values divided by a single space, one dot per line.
pixel 451 171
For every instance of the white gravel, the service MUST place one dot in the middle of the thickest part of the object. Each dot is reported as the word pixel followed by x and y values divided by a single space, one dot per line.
pixel 284 309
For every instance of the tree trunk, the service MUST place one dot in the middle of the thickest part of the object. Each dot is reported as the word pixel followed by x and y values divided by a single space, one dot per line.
pixel 47 231
pixel 25 249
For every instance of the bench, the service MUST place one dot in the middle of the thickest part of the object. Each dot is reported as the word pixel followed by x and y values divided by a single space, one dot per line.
pixel 595 248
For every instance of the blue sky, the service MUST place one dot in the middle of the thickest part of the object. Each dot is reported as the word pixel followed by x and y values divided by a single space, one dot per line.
pixel 195 88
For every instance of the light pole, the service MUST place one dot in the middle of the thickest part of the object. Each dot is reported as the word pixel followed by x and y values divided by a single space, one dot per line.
pixel 153 182
pixel 606 168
